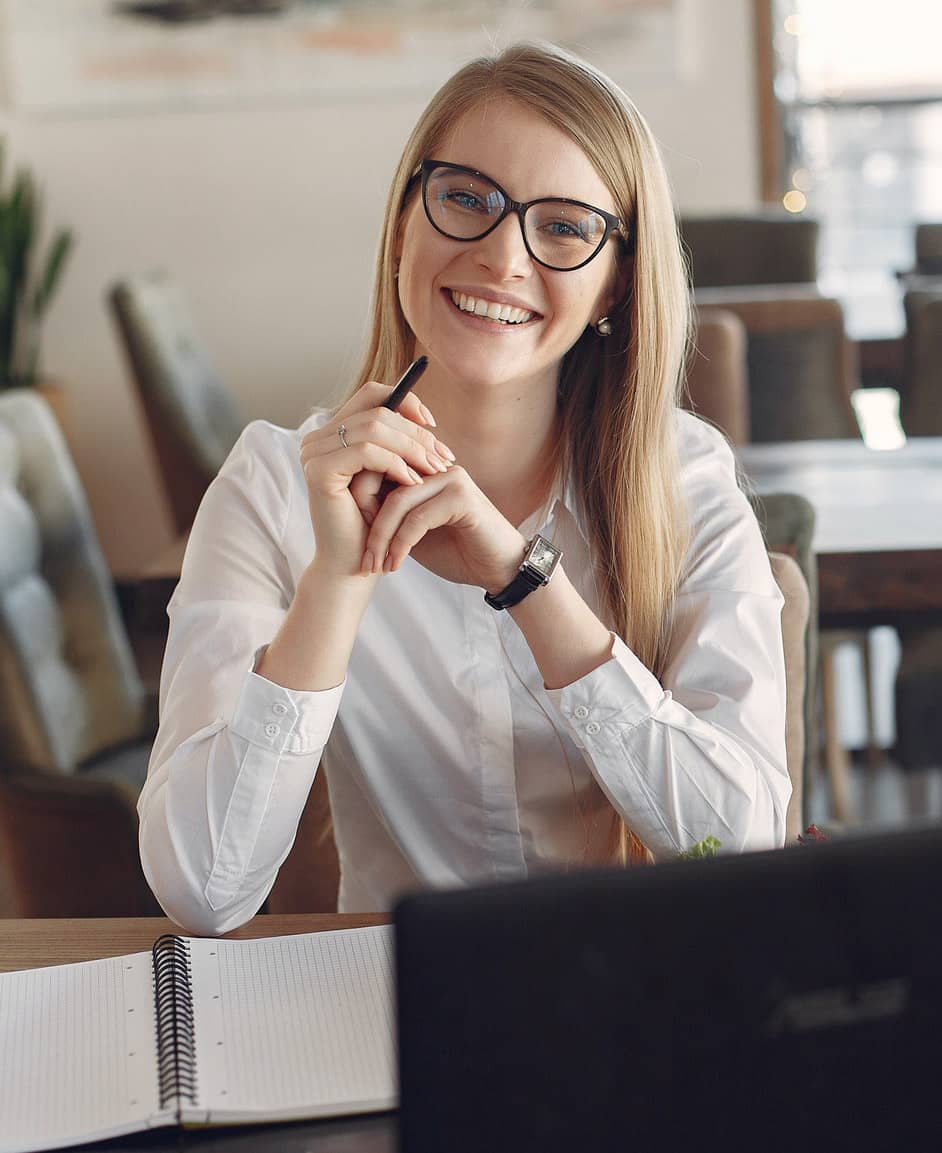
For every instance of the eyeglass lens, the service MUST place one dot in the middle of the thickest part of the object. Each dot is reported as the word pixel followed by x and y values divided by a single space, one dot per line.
pixel 559 234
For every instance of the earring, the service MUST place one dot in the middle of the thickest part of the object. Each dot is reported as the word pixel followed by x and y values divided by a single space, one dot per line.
pixel 603 326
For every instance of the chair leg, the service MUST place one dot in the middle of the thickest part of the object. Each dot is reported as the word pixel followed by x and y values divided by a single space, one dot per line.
pixel 874 753
pixel 836 760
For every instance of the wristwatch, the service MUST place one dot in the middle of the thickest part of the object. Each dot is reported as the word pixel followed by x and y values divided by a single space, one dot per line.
pixel 538 566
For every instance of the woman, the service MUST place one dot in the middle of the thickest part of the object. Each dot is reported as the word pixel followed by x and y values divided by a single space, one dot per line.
pixel 331 610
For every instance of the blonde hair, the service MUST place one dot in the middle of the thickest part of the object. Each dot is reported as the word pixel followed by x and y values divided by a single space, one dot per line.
pixel 617 396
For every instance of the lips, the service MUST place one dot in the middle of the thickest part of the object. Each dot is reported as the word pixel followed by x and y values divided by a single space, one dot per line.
pixel 494 310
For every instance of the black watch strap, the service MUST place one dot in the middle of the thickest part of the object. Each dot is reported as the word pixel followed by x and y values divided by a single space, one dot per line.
pixel 539 564
pixel 525 582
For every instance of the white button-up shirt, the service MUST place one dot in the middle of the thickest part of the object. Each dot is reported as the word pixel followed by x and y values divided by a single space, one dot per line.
pixel 448 761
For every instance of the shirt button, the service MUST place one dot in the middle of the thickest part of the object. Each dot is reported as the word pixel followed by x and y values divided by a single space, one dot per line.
pixel 592 728
pixel 279 708
pixel 272 730
pixel 581 712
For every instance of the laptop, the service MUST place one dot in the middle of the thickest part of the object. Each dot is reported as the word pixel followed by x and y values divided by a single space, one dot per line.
pixel 770 1001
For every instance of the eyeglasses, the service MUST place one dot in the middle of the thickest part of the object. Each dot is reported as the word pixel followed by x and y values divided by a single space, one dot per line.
pixel 559 233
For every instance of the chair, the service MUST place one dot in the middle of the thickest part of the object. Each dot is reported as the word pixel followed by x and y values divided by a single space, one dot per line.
pixel 717 374
pixel 802 366
pixel 929 249
pixel 309 879
pixel 796 617
pixel 921 398
pixel 192 416
pixel 75 720
pixel 918 687
pixel 787 523
pixel 801 372
pixel 769 247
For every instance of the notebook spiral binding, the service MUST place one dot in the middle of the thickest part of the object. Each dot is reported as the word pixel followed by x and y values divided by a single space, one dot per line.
pixel 173 1002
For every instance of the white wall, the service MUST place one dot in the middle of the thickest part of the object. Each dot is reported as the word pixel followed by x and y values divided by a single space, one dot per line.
pixel 227 200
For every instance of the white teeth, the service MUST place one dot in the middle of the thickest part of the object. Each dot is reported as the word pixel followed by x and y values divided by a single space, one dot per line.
pixel 504 313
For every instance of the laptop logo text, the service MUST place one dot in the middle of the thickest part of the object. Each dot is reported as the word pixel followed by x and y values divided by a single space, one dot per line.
pixel 839 1007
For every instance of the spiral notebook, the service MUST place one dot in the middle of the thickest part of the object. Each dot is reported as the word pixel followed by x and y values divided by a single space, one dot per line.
pixel 195 1032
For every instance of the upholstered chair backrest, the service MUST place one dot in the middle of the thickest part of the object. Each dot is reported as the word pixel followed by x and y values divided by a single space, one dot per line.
pixel 773 247
pixel 192 416
pixel 921 399
pixel 795 617
pixel 929 248
pixel 787 523
pixel 69 687
pixel 802 366
pixel 718 374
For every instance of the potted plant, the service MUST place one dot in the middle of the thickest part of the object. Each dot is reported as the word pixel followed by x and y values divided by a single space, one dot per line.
pixel 27 281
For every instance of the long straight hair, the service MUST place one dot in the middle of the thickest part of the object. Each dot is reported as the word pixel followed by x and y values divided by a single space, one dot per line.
pixel 617 395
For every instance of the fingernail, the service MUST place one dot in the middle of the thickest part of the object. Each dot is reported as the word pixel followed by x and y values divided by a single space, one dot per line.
pixel 415 476
pixel 427 416
pixel 387 564
pixel 444 450
pixel 368 561
pixel 436 461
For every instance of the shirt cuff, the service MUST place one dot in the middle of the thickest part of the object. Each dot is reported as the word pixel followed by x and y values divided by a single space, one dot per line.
pixel 284 720
pixel 621 692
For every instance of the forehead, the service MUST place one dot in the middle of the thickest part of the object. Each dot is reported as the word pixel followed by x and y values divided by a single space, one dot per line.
pixel 523 152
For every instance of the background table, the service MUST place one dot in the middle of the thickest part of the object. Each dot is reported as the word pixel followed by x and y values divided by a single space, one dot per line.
pixel 878 530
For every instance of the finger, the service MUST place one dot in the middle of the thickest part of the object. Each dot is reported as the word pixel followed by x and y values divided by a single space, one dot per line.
pixel 416 411
pixel 372 394
pixel 418 446
pixel 366 489
pixel 404 519
pixel 335 471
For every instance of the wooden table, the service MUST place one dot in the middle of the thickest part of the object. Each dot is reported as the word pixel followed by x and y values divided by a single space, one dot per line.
pixel 33 943
pixel 878 530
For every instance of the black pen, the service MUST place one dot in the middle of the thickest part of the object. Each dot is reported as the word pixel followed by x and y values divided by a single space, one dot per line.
pixel 405 383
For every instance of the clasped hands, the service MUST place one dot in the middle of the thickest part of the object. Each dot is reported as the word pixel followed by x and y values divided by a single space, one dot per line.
pixel 395 490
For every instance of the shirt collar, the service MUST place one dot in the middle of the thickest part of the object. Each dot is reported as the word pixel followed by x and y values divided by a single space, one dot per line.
pixel 563 503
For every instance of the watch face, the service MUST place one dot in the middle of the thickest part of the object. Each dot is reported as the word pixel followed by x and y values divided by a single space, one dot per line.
pixel 543 556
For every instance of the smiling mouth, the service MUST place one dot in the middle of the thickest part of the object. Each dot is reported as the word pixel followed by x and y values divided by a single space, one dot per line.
pixel 490 309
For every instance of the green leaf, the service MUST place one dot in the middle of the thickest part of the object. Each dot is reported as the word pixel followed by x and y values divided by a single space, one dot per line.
pixel 27 282
pixel 58 252
pixel 708 847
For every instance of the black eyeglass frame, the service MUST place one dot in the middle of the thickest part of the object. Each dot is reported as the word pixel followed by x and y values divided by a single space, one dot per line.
pixel 613 224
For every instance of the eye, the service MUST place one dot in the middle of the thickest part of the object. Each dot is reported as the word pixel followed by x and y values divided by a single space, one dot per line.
pixel 462 198
pixel 563 230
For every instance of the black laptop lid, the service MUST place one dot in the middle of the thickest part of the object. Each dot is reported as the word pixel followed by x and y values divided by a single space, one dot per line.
pixel 771 1001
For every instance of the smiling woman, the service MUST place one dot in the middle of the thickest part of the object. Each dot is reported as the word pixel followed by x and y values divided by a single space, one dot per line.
pixel 527 621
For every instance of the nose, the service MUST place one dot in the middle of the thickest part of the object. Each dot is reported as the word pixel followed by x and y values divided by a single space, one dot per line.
pixel 503 252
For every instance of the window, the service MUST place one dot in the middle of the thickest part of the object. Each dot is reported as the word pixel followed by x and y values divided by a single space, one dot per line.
pixel 859 87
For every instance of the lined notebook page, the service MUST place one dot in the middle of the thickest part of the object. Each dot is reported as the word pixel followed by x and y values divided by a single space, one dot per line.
pixel 77 1051
pixel 295 1026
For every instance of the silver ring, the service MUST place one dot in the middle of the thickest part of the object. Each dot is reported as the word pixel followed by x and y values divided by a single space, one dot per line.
pixel 342 433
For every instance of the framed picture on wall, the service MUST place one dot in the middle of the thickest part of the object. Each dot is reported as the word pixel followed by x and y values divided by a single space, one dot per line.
pixel 112 56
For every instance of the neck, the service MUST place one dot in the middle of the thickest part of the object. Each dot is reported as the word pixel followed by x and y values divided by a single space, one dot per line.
pixel 508 442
